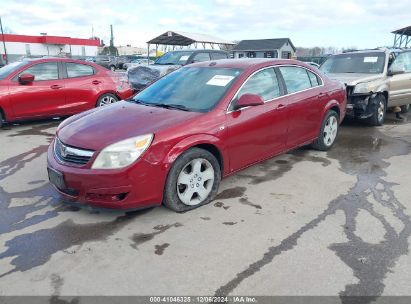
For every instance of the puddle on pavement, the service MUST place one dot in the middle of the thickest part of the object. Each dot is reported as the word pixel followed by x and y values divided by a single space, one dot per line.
pixel 140 238
pixel 34 249
pixel 361 151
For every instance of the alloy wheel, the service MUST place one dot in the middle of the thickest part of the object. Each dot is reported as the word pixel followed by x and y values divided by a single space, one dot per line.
pixel 107 100
pixel 330 130
pixel 195 181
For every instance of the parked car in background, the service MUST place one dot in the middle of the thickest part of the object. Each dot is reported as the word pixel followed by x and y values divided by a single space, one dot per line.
pixel 123 59
pixel 375 79
pixel 109 62
pixel 90 59
pixel 174 141
pixel 141 76
pixel 137 62
pixel 39 88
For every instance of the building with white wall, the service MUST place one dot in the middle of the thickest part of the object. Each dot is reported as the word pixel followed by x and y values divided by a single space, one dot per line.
pixel 264 48
pixel 18 46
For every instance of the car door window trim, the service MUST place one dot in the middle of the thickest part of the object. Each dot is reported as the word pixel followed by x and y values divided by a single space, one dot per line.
pixel 285 93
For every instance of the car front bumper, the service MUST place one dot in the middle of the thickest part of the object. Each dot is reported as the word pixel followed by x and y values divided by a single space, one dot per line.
pixel 139 186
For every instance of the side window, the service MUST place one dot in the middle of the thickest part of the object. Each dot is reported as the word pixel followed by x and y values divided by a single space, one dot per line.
pixel 296 79
pixel 43 71
pixel 402 62
pixel 263 83
pixel 217 56
pixel 78 70
pixel 201 57
pixel 315 80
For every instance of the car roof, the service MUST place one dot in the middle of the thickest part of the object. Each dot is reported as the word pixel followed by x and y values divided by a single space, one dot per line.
pixel 248 63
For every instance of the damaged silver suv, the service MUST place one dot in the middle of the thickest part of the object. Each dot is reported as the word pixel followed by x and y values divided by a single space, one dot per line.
pixel 375 80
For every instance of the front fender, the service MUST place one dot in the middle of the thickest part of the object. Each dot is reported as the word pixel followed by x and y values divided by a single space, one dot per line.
pixel 192 141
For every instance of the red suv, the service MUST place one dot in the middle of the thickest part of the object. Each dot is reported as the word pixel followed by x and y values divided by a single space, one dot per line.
pixel 174 141
pixel 39 88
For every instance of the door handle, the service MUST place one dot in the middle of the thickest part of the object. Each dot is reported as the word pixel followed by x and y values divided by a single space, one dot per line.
pixel 281 106
pixel 56 86
pixel 96 82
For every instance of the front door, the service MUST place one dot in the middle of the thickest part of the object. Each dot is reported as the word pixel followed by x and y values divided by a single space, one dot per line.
pixel 258 132
pixel 400 84
pixel 45 96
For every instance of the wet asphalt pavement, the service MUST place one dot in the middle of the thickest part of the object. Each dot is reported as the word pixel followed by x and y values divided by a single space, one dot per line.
pixel 304 223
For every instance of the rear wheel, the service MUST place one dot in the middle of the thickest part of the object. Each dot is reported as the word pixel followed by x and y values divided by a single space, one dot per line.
pixel 405 108
pixel 380 105
pixel 106 99
pixel 193 180
pixel 328 133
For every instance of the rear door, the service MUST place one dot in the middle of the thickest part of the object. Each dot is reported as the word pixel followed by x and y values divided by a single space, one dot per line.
pixel 83 86
pixel 305 101
pixel 400 84
pixel 45 96
pixel 258 132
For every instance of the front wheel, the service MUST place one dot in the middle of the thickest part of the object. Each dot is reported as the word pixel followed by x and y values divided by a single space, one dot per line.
pixel 193 180
pixel 106 99
pixel 378 116
pixel 328 132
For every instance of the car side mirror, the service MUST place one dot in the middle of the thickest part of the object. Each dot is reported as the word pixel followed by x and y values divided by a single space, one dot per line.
pixel 26 78
pixel 248 100
pixel 392 72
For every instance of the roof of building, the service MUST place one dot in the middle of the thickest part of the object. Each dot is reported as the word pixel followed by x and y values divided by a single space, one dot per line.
pixel 50 40
pixel 185 39
pixel 403 31
pixel 262 44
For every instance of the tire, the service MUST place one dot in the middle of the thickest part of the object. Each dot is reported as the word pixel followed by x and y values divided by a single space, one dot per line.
pixel 183 176
pixel 112 67
pixel 106 99
pixel 405 108
pixel 379 110
pixel 328 132
pixel 1 120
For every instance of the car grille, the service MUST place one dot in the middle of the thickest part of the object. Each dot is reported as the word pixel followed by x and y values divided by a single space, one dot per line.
pixel 71 155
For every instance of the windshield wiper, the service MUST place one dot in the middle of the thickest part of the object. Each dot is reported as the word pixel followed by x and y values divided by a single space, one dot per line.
pixel 171 106
pixel 138 101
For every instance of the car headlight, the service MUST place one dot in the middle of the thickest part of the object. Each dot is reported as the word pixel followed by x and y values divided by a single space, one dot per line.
pixel 362 88
pixel 122 153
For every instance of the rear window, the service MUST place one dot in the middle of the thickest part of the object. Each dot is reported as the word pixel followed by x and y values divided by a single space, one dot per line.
pixel 78 70
pixel 296 79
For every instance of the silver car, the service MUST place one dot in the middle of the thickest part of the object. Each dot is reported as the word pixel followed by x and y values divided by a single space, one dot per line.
pixel 375 80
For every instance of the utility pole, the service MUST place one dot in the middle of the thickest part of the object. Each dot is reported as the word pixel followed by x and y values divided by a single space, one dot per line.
pixel 4 42
pixel 112 36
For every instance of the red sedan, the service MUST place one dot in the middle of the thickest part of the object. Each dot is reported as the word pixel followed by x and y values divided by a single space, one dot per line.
pixel 40 88
pixel 174 141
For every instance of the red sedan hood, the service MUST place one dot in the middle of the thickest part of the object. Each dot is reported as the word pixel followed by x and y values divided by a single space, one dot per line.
pixel 103 126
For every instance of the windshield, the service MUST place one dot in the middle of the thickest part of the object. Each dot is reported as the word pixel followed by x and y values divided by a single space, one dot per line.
pixel 191 89
pixel 364 63
pixel 174 58
pixel 10 68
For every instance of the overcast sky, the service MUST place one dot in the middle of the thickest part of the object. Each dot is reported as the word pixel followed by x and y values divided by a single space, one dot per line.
pixel 340 23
